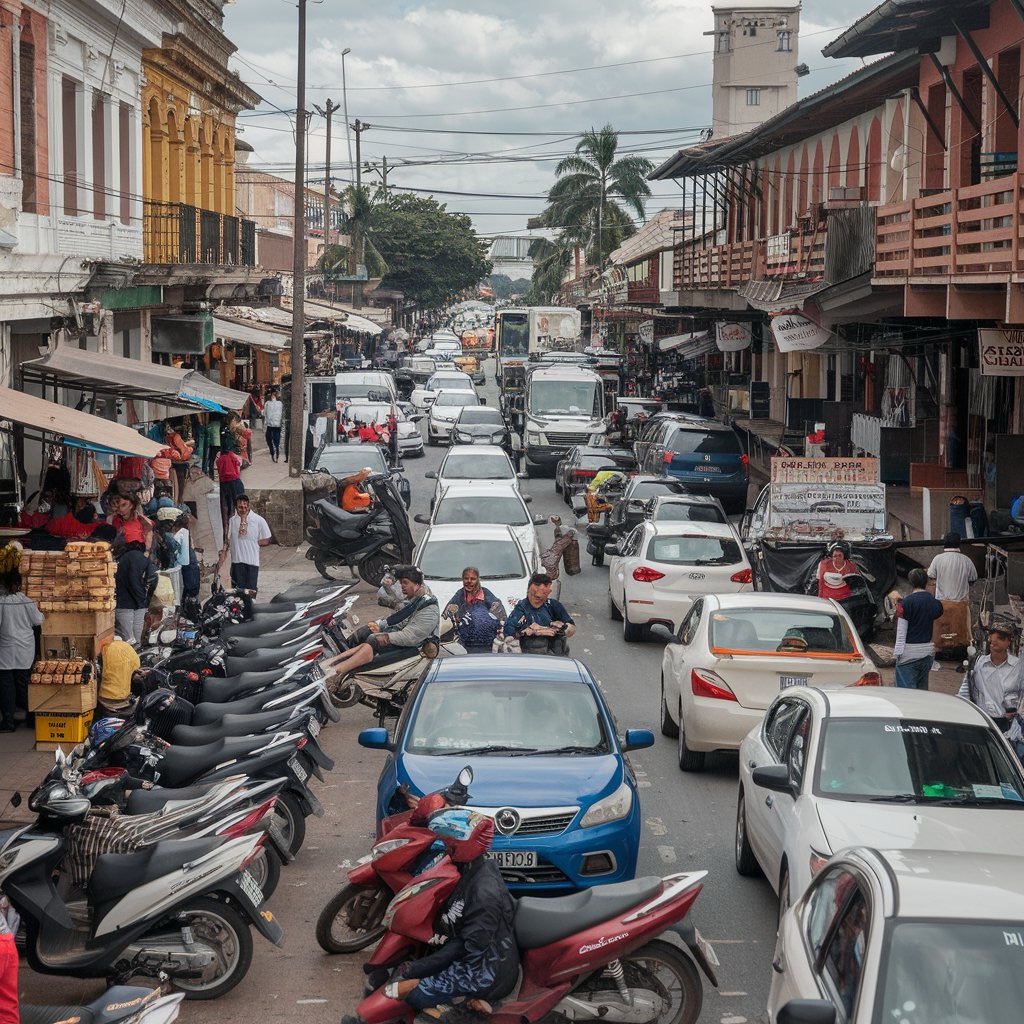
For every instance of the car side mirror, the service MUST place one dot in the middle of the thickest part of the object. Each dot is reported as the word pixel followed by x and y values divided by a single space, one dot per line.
pixel 807 1011
pixel 522 476
pixel 637 739
pixel 539 520
pixel 774 777
pixel 416 418
pixel 421 518
pixel 430 475
pixel 375 738
pixel 612 549
pixel 527 498
pixel 662 632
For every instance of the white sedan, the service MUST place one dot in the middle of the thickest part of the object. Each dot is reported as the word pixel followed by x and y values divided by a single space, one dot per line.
pixel 735 652
pixel 444 380
pixel 655 573
pixel 444 411
pixel 479 463
pixel 502 505
pixel 900 768
pixel 445 551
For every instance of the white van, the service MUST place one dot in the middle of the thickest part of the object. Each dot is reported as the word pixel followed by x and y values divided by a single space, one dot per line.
pixel 564 407
pixel 366 386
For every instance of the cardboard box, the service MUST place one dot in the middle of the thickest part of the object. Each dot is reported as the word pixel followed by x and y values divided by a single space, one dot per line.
pixel 62 728
pixel 64 699
pixel 77 623
pixel 87 645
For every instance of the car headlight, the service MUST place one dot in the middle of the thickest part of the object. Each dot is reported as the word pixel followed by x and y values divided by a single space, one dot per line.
pixel 611 808
pixel 533 436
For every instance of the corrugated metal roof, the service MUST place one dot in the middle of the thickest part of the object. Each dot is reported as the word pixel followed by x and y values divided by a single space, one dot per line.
pixel 654 236
pixel 248 334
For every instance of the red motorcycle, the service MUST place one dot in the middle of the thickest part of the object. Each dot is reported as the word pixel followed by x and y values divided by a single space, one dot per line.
pixel 354 918
pixel 592 955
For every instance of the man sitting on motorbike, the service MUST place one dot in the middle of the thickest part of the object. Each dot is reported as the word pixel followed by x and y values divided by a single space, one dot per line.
pixel 477 960
pixel 833 570
pixel 538 621
pixel 399 634
pixel 476 612
pixel 354 497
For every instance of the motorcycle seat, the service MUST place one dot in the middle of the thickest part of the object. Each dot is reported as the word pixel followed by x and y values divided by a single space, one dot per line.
pixel 118 873
pixel 148 801
pixel 182 764
pixel 260 660
pixel 239 645
pixel 276 608
pixel 350 520
pixel 257 626
pixel 539 920
pixel 221 691
pixel 238 725
pixel 250 705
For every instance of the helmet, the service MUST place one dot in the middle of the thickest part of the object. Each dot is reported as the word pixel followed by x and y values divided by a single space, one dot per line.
pixel 162 710
pixel 465 833
pixel 427 806
pixel 840 545
pixel 103 729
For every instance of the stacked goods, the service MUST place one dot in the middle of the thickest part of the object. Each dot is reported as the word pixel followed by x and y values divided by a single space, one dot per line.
pixel 58 672
pixel 78 579
pixel 61 695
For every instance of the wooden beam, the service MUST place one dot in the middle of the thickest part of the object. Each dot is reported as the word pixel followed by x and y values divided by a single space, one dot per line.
pixel 929 120
pixel 987 71
pixel 955 92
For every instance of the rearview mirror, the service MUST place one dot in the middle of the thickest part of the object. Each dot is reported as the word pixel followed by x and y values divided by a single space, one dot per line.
pixel 637 739
pixel 539 520
pixel 430 475
pixel 662 632
pixel 421 518
pixel 774 777
pixel 527 498
pixel 375 738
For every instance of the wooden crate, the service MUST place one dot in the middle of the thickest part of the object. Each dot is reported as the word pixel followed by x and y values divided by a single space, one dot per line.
pixel 62 728
pixel 43 699
pixel 77 623
pixel 88 645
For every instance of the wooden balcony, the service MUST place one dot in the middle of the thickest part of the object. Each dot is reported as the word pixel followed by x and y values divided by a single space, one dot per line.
pixel 177 233
pixel 971 233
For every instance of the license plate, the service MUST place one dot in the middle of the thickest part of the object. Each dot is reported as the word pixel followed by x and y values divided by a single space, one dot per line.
pixel 706 468
pixel 314 727
pixel 787 681
pixel 250 888
pixel 514 858
pixel 296 769
pixel 706 948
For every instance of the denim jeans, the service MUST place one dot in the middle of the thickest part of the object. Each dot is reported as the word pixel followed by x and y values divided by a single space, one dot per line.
pixel 274 441
pixel 913 675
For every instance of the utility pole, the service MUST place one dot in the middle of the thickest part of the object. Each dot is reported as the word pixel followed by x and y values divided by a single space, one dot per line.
pixel 357 241
pixel 297 416
pixel 327 112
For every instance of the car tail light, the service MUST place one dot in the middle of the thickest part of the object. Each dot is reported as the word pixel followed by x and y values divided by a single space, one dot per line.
pixel 744 460
pixel 743 576
pixel 645 574
pixel 867 679
pixel 584 472
pixel 705 683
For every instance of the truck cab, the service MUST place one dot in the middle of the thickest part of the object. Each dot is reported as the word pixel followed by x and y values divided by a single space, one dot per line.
pixel 564 406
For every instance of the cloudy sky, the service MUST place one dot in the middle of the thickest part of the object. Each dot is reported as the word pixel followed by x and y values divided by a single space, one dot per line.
pixel 474 103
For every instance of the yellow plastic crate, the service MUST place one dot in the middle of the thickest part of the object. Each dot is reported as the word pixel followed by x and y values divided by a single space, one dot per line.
pixel 62 728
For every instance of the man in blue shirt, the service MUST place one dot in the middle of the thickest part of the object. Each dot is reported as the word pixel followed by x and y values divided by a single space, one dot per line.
pixel 914 650
pixel 540 623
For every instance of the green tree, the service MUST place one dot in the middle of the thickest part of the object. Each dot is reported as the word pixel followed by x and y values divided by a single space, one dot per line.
pixel 595 194
pixel 550 262
pixel 362 222
pixel 431 254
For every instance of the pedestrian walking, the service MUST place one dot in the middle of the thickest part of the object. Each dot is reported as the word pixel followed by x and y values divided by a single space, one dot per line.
pixel 19 615
pixel 229 475
pixel 212 449
pixel 952 570
pixel 247 532
pixel 134 582
pixel 181 454
pixel 995 682
pixel 914 650
pixel 273 416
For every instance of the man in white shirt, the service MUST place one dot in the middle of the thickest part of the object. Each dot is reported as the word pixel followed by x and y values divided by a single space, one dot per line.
pixel 273 414
pixel 996 682
pixel 247 533
pixel 952 571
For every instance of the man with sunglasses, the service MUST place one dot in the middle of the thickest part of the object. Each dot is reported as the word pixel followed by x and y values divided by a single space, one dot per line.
pixel 247 532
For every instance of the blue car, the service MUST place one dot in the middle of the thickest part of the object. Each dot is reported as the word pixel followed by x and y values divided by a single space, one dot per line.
pixel 547 765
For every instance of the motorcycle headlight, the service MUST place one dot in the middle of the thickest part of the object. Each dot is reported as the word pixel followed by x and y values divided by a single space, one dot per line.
pixel 613 807
pixel 388 845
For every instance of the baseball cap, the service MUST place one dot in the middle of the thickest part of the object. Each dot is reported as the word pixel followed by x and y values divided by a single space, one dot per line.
pixel 1003 629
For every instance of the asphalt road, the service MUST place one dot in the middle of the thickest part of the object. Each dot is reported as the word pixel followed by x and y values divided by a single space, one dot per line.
pixel 688 824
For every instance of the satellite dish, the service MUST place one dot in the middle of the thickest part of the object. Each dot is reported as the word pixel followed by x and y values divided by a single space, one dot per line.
pixel 899 159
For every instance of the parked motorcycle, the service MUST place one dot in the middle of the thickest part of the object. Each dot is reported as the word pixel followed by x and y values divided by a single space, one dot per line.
pixel 121 1004
pixel 365 542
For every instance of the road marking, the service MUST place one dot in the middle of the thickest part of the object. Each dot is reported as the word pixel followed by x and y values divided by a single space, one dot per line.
pixel 657 826
pixel 732 1018
pixel 667 854
pixel 598 636
pixel 307 1002
pixel 732 993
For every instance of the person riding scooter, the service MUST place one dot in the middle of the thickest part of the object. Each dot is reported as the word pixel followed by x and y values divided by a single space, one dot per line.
pixel 539 622
pixel 355 497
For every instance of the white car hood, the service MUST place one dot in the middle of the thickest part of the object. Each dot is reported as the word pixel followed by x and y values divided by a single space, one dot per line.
pixel 902 826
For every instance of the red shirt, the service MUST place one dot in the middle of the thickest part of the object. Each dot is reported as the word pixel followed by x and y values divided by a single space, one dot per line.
pixel 229 467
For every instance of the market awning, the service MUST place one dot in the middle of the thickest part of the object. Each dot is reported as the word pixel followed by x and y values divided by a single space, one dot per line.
pixel 250 334
pixel 78 429
pixel 132 379
pixel 346 318
pixel 680 340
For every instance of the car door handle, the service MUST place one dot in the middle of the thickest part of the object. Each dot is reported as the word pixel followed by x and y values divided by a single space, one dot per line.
pixel 777 965
pixel 769 800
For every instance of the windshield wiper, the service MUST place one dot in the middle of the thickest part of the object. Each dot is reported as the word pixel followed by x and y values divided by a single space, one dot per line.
pixel 490 748
pixel 968 799
pixel 898 798
pixel 572 750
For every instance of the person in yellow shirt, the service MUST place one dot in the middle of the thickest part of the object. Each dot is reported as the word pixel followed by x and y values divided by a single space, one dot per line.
pixel 118 661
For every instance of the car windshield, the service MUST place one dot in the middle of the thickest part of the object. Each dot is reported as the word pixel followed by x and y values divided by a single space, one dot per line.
pixel 923 761
pixel 495 559
pixel 953 971
pixel 514 335
pixel 456 398
pixel 705 442
pixel 460 466
pixel 481 414
pixel 349 458
pixel 533 717
pixel 565 398
pixel 781 630
pixel 683 512
pixel 694 550
pixel 482 508
pixel 449 384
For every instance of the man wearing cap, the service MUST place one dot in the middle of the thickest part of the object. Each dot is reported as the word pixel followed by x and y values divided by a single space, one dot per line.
pixel 247 532
pixel 538 621
pixel 392 637
pixel 995 683
pixel 952 570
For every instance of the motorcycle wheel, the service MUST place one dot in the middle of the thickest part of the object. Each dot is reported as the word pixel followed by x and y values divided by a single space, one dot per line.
pixel 373 568
pixel 223 929
pixel 290 821
pixel 326 570
pixel 346 694
pixel 661 968
pixel 334 930
pixel 265 870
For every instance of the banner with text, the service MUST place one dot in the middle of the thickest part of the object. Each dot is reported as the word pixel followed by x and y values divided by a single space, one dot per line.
pixel 646 332
pixel 1001 352
pixel 796 333
pixel 732 337
pixel 795 470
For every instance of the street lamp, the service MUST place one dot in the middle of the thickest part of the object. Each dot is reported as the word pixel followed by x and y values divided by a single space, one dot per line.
pixel 344 110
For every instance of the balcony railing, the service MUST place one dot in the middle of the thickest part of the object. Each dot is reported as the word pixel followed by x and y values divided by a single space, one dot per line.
pixel 180 233
pixel 972 231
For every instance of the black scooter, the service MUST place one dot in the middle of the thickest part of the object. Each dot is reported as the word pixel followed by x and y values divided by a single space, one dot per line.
pixel 366 542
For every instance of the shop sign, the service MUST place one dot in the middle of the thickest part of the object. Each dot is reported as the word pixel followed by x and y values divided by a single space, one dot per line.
pixel 732 337
pixel 645 332
pixel 1001 352
pixel 796 333
pixel 825 471
pixel 808 511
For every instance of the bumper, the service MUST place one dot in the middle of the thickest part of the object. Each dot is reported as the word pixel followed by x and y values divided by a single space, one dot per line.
pixel 727 488
pixel 545 455
pixel 410 445
pixel 718 724
pixel 439 430
pixel 669 610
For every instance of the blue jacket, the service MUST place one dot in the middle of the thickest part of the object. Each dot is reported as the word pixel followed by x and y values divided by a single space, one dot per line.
pixel 524 614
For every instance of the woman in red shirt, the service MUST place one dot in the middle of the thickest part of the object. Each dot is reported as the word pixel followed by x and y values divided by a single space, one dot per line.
pixel 229 472
pixel 833 570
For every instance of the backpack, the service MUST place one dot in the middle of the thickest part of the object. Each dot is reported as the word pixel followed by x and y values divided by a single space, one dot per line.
pixel 167 549
pixel 477 626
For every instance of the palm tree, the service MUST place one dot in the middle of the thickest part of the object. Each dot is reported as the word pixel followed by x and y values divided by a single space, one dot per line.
pixel 550 261
pixel 592 199
pixel 360 221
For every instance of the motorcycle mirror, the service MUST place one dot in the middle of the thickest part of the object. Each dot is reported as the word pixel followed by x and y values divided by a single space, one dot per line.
pixel 58 755
pixel 971 650
pixel 458 792
pixel 421 518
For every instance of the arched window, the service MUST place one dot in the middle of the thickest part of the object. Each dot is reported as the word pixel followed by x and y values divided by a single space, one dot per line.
pixel 818 175
pixel 896 158
pixel 853 159
pixel 787 188
pixel 873 160
pixel 803 183
pixel 835 164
